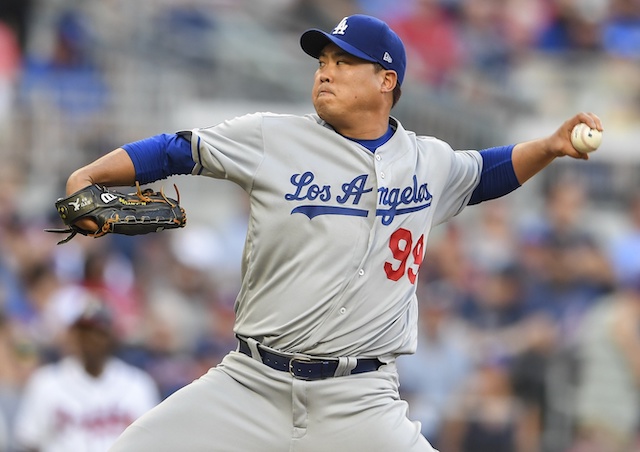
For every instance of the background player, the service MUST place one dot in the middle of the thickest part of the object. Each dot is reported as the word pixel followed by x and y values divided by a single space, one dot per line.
pixel 341 205
pixel 83 402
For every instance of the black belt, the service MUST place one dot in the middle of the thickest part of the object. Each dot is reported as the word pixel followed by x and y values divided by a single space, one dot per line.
pixel 306 368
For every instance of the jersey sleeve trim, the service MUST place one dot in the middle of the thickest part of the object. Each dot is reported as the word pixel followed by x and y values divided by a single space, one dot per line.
pixel 498 176
pixel 199 166
pixel 160 156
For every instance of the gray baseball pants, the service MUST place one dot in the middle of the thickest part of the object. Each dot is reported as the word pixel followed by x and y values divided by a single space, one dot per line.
pixel 243 405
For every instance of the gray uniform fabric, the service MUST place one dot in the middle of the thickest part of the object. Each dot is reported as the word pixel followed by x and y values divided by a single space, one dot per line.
pixel 335 239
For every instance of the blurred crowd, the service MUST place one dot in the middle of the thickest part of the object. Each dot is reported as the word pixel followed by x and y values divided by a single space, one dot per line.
pixel 530 310
pixel 530 331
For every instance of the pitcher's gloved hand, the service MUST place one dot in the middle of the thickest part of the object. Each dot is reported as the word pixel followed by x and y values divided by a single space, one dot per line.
pixel 119 213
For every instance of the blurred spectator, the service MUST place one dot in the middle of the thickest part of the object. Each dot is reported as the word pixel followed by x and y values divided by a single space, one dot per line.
pixel 84 401
pixel 446 258
pixel 389 11
pixel 486 52
pixel 15 13
pixel 624 250
pixel 110 274
pixel 14 304
pixel 491 244
pixel 185 322
pixel 192 41
pixel 572 270
pixel 432 42
pixel 442 345
pixel 576 27
pixel 485 417
pixel 44 294
pixel 18 359
pixel 4 433
pixel 67 79
pixel 523 21
pixel 622 30
pixel 495 311
pixel 322 14
pixel 10 60
pixel 185 296
pixel 530 373
pixel 502 330
pixel 608 392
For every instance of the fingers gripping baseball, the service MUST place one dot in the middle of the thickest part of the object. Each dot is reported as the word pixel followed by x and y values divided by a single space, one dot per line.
pixel 578 136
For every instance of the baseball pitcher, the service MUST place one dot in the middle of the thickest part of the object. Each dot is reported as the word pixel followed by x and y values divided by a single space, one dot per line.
pixel 341 205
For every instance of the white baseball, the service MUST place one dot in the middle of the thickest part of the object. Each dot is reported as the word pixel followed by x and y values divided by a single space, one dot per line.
pixel 585 139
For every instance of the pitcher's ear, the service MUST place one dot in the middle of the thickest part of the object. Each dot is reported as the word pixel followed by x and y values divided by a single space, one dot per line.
pixel 389 81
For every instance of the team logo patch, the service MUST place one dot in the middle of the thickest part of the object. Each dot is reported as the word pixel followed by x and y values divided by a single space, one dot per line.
pixel 341 28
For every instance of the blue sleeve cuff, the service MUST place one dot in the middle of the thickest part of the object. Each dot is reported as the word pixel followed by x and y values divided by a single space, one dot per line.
pixel 160 156
pixel 498 176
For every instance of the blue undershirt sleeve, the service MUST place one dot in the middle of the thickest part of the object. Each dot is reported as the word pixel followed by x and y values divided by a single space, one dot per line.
pixel 160 156
pixel 498 177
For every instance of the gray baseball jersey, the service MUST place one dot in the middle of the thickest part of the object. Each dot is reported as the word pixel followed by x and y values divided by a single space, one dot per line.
pixel 336 233
pixel 335 239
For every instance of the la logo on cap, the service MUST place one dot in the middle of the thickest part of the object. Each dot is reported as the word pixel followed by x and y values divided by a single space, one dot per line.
pixel 341 28
pixel 364 37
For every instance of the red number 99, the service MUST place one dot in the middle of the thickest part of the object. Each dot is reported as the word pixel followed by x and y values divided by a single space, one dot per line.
pixel 401 246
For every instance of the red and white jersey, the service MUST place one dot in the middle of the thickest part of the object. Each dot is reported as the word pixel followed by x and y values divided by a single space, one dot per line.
pixel 336 233
pixel 66 410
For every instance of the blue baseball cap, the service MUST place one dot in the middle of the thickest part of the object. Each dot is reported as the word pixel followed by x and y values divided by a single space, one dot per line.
pixel 364 37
